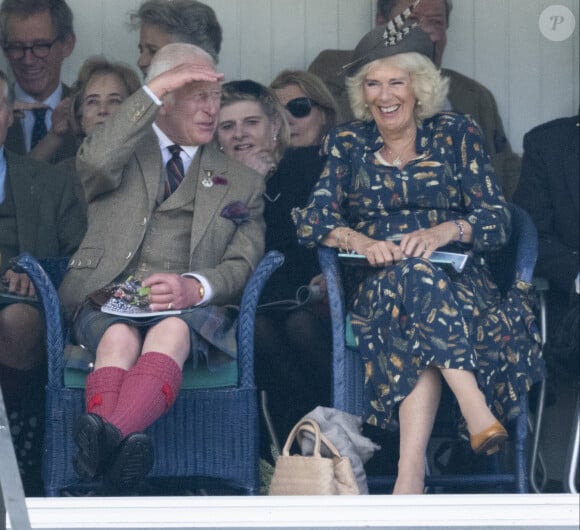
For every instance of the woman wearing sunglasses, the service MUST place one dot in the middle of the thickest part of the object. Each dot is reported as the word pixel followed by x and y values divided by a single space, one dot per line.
pixel 292 348
pixel 311 108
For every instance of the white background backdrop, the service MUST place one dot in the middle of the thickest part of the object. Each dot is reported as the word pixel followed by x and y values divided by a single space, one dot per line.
pixel 497 42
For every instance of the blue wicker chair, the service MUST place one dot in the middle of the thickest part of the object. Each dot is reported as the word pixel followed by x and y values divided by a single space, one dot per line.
pixel 209 433
pixel 518 257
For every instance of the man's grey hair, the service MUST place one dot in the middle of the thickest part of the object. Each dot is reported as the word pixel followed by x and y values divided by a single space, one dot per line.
pixel 172 55
pixel 60 14
pixel 184 20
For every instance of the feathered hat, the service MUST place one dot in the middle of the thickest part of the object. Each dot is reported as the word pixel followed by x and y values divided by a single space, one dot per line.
pixel 398 35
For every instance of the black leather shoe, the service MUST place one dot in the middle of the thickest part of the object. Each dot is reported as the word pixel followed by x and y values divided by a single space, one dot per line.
pixel 133 460
pixel 96 441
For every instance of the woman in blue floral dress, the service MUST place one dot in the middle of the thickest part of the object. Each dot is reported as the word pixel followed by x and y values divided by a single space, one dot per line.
pixel 402 182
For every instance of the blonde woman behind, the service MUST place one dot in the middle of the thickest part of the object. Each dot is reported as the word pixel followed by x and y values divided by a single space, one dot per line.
pixel 99 90
pixel 310 107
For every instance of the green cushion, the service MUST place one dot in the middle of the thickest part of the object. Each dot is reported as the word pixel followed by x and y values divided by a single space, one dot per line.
pixel 76 371
pixel 348 333
pixel 541 284
pixel 196 379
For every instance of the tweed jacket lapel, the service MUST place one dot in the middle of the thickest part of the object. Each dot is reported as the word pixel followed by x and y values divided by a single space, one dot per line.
pixel 208 198
pixel 150 165
pixel 206 166
pixel 25 192
pixel 15 138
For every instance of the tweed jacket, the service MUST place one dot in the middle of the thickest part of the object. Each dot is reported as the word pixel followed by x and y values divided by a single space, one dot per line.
pixel 549 191
pixel 120 167
pixel 15 138
pixel 470 97
pixel 49 218
pixel 465 95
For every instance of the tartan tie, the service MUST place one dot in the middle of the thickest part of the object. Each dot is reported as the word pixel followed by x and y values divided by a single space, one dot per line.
pixel 39 128
pixel 174 168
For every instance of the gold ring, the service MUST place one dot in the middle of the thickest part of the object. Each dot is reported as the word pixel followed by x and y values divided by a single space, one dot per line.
pixel 169 306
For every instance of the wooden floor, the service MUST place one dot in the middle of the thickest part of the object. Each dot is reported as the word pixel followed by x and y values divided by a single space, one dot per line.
pixel 508 511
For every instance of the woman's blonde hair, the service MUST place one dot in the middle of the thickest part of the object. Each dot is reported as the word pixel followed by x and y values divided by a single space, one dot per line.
pixel 429 86
pixel 313 88
pixel 95 66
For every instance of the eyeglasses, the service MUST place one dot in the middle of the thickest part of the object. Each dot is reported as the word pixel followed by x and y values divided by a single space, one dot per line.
pixel 300 107
pixel 38 49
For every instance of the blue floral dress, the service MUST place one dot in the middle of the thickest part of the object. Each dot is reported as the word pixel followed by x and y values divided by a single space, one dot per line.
pixel 413 314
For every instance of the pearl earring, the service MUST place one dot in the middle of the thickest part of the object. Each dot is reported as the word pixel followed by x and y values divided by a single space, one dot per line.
pixel 275 138
pixel 221 148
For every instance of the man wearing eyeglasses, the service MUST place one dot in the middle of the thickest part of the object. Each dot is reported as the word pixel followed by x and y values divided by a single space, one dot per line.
pixel 37 36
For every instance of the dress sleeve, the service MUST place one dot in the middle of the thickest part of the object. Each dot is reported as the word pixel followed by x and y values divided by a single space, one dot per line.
pixel 486 207
pixel 325 209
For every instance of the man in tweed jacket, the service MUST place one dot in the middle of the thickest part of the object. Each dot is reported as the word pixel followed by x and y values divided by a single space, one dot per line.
pixel 193 247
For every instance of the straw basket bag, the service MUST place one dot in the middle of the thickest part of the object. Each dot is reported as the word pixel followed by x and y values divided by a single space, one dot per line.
pixel 314 474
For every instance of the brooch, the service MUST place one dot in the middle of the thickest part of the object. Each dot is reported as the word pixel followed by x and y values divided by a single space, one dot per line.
pixel 210 179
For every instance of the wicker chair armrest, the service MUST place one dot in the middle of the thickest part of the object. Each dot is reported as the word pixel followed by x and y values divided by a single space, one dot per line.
pixel 50 303
pixel 526 252
pixel 517 259
pixel 268 264
pixel 342 361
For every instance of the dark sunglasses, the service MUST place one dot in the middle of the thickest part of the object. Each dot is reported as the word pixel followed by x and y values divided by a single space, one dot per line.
pixel 300 107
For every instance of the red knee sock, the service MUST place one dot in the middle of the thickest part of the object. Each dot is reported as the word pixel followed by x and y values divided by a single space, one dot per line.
pixel 148 390
pixel 102 390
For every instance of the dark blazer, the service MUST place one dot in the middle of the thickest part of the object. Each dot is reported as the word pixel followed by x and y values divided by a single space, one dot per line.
pixel 548 189
pixel 15 138
pixel 289 187
pixel 49 218
pixel 465 95
pixel 120 167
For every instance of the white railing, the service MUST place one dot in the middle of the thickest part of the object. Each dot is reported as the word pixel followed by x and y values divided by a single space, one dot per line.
pixel 505 511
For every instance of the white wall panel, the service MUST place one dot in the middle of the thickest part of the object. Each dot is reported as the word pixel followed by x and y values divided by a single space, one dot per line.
pixel 321 23
pixel 497 42
pixel 524 70
pixel 491 47
pixel 459 52
pixel 289 42
pixel 227 12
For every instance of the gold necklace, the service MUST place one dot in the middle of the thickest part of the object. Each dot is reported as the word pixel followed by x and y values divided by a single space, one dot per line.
pixel 398 161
